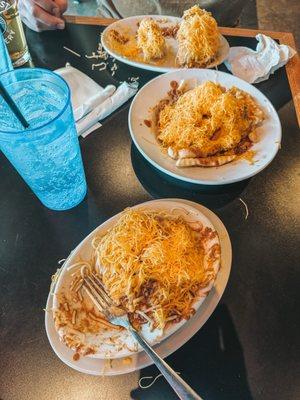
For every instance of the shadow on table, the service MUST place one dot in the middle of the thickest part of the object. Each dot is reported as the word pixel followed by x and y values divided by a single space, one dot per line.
pixel 159 185
pixel 211 362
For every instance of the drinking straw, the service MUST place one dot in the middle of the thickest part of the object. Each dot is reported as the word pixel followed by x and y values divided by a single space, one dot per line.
pixel 12 105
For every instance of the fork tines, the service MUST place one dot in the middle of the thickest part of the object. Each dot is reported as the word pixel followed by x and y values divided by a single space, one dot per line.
pixel 95 290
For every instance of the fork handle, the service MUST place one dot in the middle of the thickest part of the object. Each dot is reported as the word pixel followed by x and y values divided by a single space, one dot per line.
pixel 182 389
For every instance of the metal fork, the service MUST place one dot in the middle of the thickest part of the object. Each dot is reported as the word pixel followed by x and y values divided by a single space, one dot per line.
pixel 96 291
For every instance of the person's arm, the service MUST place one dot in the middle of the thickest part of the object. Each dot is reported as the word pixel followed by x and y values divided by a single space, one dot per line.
pixel 42 15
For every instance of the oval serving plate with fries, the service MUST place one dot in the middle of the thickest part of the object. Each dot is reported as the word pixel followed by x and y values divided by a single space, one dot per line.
pixel 174 338
pixel 141 120
pixel 128 27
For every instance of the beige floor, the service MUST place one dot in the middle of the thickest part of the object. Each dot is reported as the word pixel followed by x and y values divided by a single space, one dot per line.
pixel 280 15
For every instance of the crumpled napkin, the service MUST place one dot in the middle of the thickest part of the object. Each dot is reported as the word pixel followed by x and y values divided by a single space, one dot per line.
pixel 90 101
pixel 255 66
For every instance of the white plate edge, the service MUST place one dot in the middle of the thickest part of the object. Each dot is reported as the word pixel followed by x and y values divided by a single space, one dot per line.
pixel 210 305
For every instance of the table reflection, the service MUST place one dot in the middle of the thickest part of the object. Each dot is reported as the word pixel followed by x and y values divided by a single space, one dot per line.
pixel 212 362
pixel 159 185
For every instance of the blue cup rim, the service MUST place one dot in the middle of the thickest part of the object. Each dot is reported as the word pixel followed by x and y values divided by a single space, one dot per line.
pixel 51 73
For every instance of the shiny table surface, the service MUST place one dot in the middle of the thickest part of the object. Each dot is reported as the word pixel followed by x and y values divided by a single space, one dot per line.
pixel 246 350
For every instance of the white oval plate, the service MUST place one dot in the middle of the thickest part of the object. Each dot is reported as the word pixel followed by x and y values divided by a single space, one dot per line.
pixel 84 252
pixel 140 360
pixel 130 25
pixel 157 88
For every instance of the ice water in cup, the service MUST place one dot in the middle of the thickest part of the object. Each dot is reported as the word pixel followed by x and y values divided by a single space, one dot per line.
pixel 47 154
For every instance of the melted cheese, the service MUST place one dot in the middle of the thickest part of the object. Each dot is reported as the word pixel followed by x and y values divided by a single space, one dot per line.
pixel 127 46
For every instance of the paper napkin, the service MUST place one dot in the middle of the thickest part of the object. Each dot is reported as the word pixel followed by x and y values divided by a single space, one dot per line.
pixel 255 66
pixel 91 102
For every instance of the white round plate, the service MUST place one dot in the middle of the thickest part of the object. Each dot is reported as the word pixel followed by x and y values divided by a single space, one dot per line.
pixel 129 25
pixel 96 366
pixel 238 170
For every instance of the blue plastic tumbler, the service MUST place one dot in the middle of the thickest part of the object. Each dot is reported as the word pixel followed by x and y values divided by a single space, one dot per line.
pixel 5 61
pixel 47 154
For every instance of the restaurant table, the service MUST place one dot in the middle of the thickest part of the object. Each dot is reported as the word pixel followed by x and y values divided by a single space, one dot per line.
pixel 248 347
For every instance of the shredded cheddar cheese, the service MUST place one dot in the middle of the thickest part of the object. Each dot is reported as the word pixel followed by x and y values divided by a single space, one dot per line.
pixel 207 120
pixel 153 265
pixel 150 39
pixel 198 38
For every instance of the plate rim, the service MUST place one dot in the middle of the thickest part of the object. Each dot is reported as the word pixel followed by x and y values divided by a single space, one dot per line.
pixel 192 180
pixel 188 330
pixel 150 67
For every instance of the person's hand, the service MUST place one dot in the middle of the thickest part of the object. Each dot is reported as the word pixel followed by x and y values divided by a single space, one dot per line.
pixel 42 15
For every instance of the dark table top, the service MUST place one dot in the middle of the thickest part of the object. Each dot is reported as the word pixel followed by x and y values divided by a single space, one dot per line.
pixel 257 320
